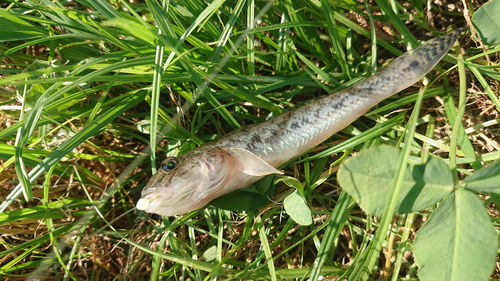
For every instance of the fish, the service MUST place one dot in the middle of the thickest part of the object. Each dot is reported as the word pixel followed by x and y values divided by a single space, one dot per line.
pixel 246 155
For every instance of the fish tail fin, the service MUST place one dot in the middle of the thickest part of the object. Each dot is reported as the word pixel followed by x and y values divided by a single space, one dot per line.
pixel 429 53
pixel 410 67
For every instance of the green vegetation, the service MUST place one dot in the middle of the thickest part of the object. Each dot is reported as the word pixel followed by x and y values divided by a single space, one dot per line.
pixel 90 88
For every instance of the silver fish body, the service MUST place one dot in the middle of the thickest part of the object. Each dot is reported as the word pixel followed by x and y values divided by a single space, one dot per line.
pixel 246 155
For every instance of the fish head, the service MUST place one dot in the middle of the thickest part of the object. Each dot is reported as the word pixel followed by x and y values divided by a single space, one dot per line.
pixel 194 179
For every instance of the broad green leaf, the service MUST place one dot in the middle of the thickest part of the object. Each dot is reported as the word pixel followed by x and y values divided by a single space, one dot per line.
pixel 247 199
pixel 291 182
pixel 485 180
pixel 459 242
pixel 241 200
pixel 265 186
pixel 487 22
pixel 368 177
pixel 210 254
pixel 14 28
pixel 296 206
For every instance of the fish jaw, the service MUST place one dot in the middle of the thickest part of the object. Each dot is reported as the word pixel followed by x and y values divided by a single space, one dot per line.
pixel 201 177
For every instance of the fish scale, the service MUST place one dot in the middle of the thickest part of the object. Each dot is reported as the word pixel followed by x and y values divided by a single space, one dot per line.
pixel 244 156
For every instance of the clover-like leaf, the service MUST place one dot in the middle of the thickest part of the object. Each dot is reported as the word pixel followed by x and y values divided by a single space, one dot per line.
pixel 368 177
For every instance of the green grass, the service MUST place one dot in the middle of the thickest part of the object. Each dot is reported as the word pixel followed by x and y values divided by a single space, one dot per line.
pixel 90 88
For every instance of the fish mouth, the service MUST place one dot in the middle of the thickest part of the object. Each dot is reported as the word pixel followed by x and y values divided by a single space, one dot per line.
pixel 165 202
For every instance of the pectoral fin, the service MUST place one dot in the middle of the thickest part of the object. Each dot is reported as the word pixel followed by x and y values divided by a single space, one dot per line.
pixel 251 164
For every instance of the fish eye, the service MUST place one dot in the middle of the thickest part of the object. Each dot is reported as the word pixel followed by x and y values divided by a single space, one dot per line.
pixel 169 164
